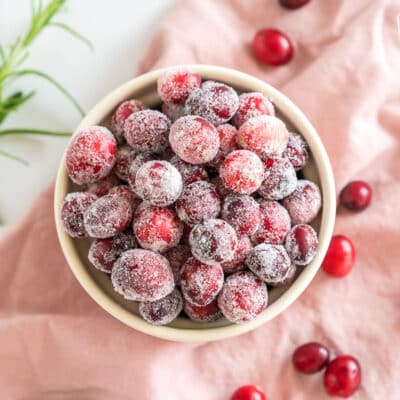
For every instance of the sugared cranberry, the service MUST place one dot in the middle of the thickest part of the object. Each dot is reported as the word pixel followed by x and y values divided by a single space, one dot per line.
pixel 194 139
pixel 104 252
pixel 275 223
pixel 301 244
pixel 249 392
pixel 291 275
pixel 147 130
pixel 243 297
pixel 107 216
pixel 280 179
pixel 163 311
pixel 304 203
pixel 269 262
pixel 200 283
pixel 356 195
pixel 208 313
pixel 265 135
pixel 142 275
pixel 157 229
pixel 227 138
pixel 175 84
pixel 173 111
pixel 310 358
pixel 213 241
pixel 159 183
pixel 220 188
pixel 237 264
pixel 293 4
pixel 340 257
pixel 72 211
pixel 101 187
pixel 199 201
pixel 242 172
pixel 91 155
pixel 252 105
pixel 215 101
pixel 125 192
pixel 177 256
pixel 296 151
pixel 138 161
pixel 242 212
pixel 272 47
pixel 190 172
pixel 125 156
pixel 343 376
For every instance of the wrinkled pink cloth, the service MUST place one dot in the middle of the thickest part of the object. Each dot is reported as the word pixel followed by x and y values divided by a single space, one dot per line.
pixel 56 343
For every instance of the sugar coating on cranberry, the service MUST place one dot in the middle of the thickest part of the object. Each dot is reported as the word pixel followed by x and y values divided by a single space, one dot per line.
pixel 213 241
pixel 157 229
pixel 190 172
pixel 304 203
pixel 237 264
pixel 208 313
pixel 104 252
pixel 215 101
pixel 242 172
pixel 107 216
pixel 147 130
pixel 200 283
pixel 194 139
pixel 142 275
pixel 137 162
pixel 227 143
pixel 123 111
pixel 91 155
pixel 72 211
pixel 252 105
pixel 163 311
pixel 199 201
pixel 101 187
pixel 265 135
pixel 296 151
pixel 270 262
pixel 279 180
pixel 301 244
pixel 125 192
pixel 173 111
pixel 158 182
pixel 177 256
pixel 243 297
pixel 291 275
pixel 125 156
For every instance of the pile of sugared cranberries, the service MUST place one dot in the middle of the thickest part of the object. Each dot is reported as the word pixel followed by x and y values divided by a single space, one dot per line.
pixel 194 207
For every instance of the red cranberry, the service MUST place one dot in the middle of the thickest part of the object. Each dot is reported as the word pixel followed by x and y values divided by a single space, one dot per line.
pixel 175 84
pixel 101 187
pixel 213 241
pixel 265 135
pixel 163 311
pixel 242 172
pixel 91 155
pixel 194 139
pixel 177 256
pixel 301 244
pixel 199 201
pixel 296 151
pixel 310 358
pixel 200 282
pixel 125 192
pixel 190 172
pixel 147 130
pixel 138 161
pixel 125 156
pixel 208 313
pixel 237 264
pixel 142 275
pixel 343 376
pixel 356 195
pixel 272 47
pixel 252 105
pixel 291 275
pixel 157 229
pixel 249 392
pixel 340 257
pixel 227 138
pixel 173 111
pixel 243 297
pixel 72 211
pixel 293 4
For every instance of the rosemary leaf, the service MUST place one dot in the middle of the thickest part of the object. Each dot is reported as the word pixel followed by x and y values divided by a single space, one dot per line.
pixel 74 33
pixel 28 131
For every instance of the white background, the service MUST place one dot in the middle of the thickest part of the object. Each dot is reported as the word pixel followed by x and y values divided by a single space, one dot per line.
pixel 120 31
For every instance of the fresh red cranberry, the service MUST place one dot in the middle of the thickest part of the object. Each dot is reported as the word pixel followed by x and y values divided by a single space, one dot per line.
pixel 249 392
pixel 310 358
pixel 301 244
pixel 343 376
pixel 252 105
pixel 272 47
pixel 208 313
pixel 293 4
pixel 356 195
pixel 340 257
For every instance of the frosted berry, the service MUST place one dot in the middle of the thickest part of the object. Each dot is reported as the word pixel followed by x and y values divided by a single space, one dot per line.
pixel 237 264
pixel 340 257
pixel 251 105
pixel 177 256
pixel 125 156
pixel 190 172
pixel 296 151
pixel 356 195
pixel 101 187
pixel 157 229
pixel 242 172
pixel 91 155
pixel 249 392
pixel 173 111
pixel 200 283
pixel 301 244
pixel 227 143
pixel 194 139
pixel 142 275
pixel 310 358
pixel 208 313
pixel 243 297
pixel 137 162
pixel 291 275
pixel 293 4
pixel 125 192
pixel 72 211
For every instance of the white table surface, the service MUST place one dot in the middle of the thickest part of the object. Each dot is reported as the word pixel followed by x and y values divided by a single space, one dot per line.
pixel 120 31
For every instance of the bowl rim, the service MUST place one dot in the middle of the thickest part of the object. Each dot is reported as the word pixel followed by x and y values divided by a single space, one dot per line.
pixel 302 124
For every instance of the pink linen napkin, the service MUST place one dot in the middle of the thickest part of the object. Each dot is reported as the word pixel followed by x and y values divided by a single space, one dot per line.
pixel 56 343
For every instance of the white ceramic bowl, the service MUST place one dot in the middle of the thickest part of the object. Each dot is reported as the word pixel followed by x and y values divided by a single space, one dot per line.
pixel 98 284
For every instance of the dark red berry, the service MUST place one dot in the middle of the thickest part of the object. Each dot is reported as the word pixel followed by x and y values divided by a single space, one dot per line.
pixel 249 392
pixel 293 4
pixel 356 195
pixel 340 257
pixel 310 358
